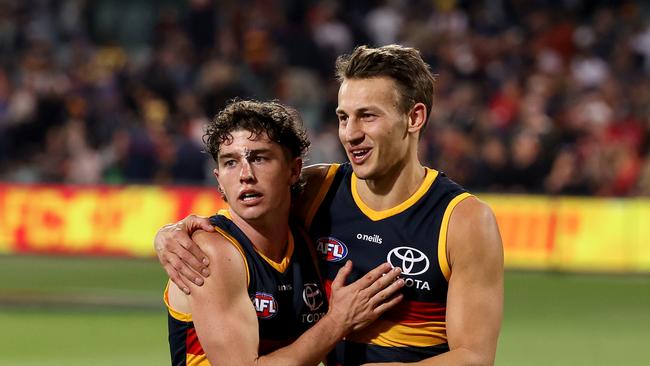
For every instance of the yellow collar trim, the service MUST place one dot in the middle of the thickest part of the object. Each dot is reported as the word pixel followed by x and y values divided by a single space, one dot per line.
pixel 279 266
pixel 225 212
pixel 429 178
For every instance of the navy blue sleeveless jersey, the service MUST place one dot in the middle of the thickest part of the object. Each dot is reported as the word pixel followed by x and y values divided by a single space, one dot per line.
pixel 288 297
pixel 411 236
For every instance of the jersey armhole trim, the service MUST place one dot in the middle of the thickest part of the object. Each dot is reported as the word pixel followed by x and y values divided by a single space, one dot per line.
pixel 322 191
pixel 443 262
pixel 178 315
pixel 237 246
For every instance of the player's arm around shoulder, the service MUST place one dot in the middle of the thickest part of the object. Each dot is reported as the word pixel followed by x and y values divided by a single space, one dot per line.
pixel 223 316
pixel 475 296
pixel 313 177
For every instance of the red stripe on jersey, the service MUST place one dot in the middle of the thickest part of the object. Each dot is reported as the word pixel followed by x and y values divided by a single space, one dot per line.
pixel 328 288
pixel 192 344
pixel 416 312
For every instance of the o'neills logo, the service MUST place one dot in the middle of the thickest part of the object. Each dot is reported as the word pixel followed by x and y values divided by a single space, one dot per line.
pixel 265 305
pixel 331 249
pixel 371 238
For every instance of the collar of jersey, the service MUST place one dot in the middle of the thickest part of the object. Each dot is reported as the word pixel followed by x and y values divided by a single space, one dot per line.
pixel 374 215
pixel 278 266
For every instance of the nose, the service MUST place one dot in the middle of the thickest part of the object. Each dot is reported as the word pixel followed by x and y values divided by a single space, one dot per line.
pixel 352 132
pixel 246 173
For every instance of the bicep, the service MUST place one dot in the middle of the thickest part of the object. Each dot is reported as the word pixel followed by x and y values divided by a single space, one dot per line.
pixel 223 315
pixel 475 297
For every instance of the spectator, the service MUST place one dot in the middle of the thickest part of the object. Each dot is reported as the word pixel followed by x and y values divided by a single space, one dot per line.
pixel 91 92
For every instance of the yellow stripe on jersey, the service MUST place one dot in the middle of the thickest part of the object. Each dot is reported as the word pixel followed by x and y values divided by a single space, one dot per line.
pixel 178 315
pixel 389 334
pixel 374 215
pixel 197 360
pixel 322 191
pixel 281 266
pixel 225 213
pixel 442 239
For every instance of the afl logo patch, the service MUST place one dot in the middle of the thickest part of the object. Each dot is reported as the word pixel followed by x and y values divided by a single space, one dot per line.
pixel 331 249
pixel 412 261
pixel 265 305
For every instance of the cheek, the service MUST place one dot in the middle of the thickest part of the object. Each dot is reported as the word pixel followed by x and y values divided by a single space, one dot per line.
pixel 225 182
pixel 341 134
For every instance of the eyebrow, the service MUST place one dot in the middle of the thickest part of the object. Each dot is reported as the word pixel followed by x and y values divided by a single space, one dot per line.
pixel 359 110
pixel 253 152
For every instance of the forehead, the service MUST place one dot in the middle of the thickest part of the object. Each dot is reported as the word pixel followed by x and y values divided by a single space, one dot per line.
pixel 366 92
pixel 246 140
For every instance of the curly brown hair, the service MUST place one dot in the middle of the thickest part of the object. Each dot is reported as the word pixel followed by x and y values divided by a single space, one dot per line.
pixel 281 123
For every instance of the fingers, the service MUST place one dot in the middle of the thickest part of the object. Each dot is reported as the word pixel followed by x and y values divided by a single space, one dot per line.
pixel 183 260
pixel 177 278
pixel 342 275
pixel 190 253
pixel 371 277
pixel 384 282
pixel 388 289
pixel 189 225
pixel 188 257
pixel 193 223
pixel 387 305
pixel 187 272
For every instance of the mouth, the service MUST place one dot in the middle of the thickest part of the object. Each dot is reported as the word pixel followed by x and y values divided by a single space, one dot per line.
pixel 250 197
pixel 359 155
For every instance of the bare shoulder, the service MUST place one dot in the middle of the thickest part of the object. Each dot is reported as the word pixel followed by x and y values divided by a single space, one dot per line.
pixel 314 176
pixel 473 232
pixel 221 251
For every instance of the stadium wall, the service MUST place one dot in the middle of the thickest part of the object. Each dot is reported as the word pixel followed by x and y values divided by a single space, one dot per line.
pixel 541 233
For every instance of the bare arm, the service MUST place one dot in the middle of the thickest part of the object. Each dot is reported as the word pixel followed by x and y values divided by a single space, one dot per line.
pixel 313 176
pixel 475 296
pixel 182 259
pixel 222 307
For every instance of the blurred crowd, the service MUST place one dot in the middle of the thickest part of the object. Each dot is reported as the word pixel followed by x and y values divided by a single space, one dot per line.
pixel 532 96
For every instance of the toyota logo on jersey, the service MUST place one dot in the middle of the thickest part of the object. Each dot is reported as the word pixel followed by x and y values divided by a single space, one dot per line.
pixel 265 305
pixel 331 249
pixel 412 261
pixel 312 296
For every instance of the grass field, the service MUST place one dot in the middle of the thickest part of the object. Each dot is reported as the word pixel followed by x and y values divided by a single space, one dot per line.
pixel 90 311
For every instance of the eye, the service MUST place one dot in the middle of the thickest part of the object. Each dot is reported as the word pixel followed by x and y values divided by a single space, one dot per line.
pixel 229 163
pixel 259 159
pixel 368 116
pixel 342 118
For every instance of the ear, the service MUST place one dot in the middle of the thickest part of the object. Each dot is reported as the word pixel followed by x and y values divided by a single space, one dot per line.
pixel 417 117
pixel 215 172
pixel 296 168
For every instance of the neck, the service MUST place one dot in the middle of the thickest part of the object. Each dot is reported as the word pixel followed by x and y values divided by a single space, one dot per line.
pixel 393 187
pixel 269 234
